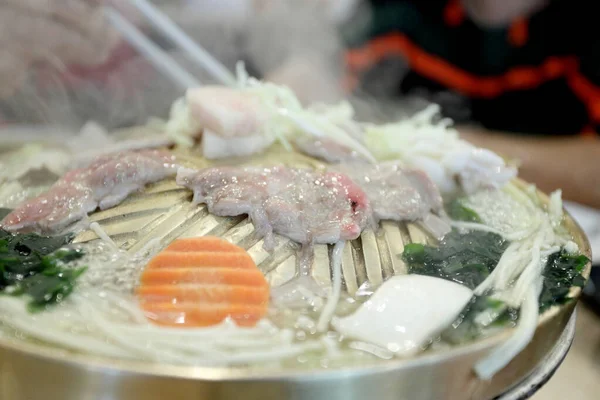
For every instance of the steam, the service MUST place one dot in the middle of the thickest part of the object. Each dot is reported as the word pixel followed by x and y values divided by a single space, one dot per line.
pixel 292 42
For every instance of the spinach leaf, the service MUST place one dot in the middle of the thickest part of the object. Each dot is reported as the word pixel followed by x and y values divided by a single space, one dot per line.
pixel 463 258
pixel 35 266
pixel 469 258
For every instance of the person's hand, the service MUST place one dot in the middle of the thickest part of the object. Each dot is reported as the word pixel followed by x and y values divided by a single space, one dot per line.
pixel 50 31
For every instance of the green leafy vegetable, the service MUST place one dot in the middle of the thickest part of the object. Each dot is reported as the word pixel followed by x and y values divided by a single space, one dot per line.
pixel 562 271
pixel 35 266
pixel 458 211
pixel 463 258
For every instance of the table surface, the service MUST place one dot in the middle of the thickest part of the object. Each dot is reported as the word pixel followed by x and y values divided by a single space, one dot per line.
pixel 579 375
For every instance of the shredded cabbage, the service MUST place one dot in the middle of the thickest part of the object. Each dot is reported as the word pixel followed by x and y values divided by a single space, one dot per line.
pixel 290 118
pixel 522 335
pixel 181 126
pixel 437 149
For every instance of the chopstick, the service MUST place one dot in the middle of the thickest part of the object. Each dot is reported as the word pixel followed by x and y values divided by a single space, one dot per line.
pixel 160 59
pixel 192 49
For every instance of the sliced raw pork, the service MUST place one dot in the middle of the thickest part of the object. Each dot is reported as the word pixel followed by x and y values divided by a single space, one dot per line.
pixel 327 150
pixel 396 193
pixel 104 183
pixel 305 206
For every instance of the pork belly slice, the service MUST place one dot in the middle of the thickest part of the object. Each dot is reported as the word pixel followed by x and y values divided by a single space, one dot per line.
pixel 305 206
pixel 103 184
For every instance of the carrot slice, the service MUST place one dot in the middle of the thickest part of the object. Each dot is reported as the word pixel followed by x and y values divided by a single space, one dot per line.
pixel 202 315
pixel 201 259
pixel 190 293
pixel 208 243
pixel 202 276
pixel 198 282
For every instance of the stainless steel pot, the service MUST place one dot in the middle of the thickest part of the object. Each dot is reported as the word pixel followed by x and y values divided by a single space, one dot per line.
pixel 31 371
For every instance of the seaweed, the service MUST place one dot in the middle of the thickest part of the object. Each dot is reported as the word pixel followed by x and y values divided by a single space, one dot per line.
pixel 468 258
pixel 562 271
pixel 36 266
pixel 466 327
pixel 458 211
pixel 462 258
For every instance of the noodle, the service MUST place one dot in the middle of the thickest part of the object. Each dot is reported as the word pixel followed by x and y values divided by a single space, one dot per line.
pixel 95 227
pixel 503 354
pixel 333 299
pixel 220 345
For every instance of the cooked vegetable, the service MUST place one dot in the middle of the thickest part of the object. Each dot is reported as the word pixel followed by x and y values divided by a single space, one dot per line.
pixel 427 141
pixel 34 266
pixel 469 258
pixel 289 117
pixel 470 324
pixel 463 258
pixel 202 281
pixel 457 210
pixel 562 271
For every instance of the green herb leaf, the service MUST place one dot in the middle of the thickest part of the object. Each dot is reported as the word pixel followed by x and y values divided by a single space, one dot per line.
pixel 3 246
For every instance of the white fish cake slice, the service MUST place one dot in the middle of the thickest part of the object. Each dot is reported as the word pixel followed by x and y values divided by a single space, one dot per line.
pixel 405 312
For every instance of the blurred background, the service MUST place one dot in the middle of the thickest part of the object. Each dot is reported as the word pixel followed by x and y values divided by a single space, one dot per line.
pixel 521 77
